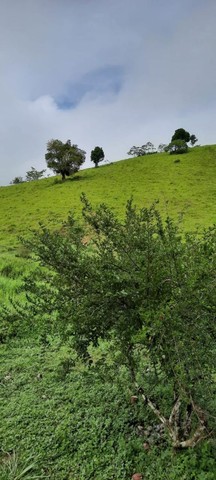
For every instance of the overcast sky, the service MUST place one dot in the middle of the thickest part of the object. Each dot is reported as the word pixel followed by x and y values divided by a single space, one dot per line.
pixel 113 73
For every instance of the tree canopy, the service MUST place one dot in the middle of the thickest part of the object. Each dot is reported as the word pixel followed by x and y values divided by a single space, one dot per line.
pixel 97 155
pixel 193 139
pixel 64 158
pixel 181 134
pixel 162 147
pixel 177 146
pixel 145 149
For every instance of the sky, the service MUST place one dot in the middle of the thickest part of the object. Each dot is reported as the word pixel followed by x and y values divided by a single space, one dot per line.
pixel 113 73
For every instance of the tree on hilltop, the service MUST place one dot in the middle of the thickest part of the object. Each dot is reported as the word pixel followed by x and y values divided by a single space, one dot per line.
pixel 145 149
pixel 177 146
pixel 97 155
pixel 180 140
pixel 136 151
pixel 162 147
pixel 63 158
pixel 149 148
pixel 34 174
pixel 181 134
pixel 16 180
pixel 193 139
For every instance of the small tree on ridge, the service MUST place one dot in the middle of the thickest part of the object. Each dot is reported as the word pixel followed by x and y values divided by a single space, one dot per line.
pixel 97 155
pixel 34 174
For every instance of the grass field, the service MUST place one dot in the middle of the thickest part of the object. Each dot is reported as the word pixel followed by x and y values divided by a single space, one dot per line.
pixel 63 421
pixel 60 419
pixel 185 189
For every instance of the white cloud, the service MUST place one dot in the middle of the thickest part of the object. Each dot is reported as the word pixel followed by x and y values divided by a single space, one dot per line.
pixel 166 54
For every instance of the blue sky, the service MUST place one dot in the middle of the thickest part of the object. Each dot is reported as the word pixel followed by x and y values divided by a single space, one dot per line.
pixel 102 81
pixel 113 73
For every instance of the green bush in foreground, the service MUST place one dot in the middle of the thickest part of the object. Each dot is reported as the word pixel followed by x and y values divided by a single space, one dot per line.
pixel 140 285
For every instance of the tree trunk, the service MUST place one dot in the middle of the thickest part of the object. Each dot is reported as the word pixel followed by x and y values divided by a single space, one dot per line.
pixel 179 427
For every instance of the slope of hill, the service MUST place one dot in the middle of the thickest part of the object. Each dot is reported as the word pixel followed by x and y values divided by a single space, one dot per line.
pixel 60 418
pixel 184 185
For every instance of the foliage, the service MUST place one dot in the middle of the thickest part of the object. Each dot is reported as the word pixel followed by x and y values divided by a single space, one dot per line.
pixel 97 155
pixel 149 148
pixel 146 149
pixel 142 285
pixel 181 134
pixel 177 146
pixel 193 139
pixel 17 180
pixel 137 151
pixel 64 158
pixel 34 174
pixel 162 147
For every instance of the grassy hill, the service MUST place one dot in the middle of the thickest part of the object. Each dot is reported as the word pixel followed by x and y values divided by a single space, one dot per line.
pixel 184 185
pixel 60 418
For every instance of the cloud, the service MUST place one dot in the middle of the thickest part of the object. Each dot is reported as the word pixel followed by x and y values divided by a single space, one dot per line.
pixel 114 74
pixel 101 82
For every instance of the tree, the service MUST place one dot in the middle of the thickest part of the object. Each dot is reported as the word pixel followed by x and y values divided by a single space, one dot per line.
pixel 177 146
pixel 193 139
pixel 137 151
pixel 34 174
pixel 97 155
pixel 17 180
pixel 145 149
pixel 149 148
pixel 181 134
pixel 162 147
pixel 64 158
pixel 149 291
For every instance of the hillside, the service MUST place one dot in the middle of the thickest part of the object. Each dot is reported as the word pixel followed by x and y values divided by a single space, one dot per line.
pixel 62 417
pixel 186 188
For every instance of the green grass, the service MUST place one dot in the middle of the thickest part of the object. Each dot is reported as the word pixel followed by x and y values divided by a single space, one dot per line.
pixel 12 269
pixel 61 420
pixel 186 189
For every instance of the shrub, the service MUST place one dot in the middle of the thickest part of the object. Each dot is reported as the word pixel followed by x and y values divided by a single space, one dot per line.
pixel 139 284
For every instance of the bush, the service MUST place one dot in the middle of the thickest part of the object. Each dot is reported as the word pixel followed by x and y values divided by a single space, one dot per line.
pixel 138 284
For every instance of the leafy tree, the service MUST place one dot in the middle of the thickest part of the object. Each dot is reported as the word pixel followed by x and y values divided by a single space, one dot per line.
pixel 17 180
pixel 145 149
pixel 181 134
pixel 177 146
pixel 193 139
pixel 162 147
pixel 64 158
pixel 149 148
pixel 34 174
pixel 97 155
pixel 150 293
pixel 137 151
